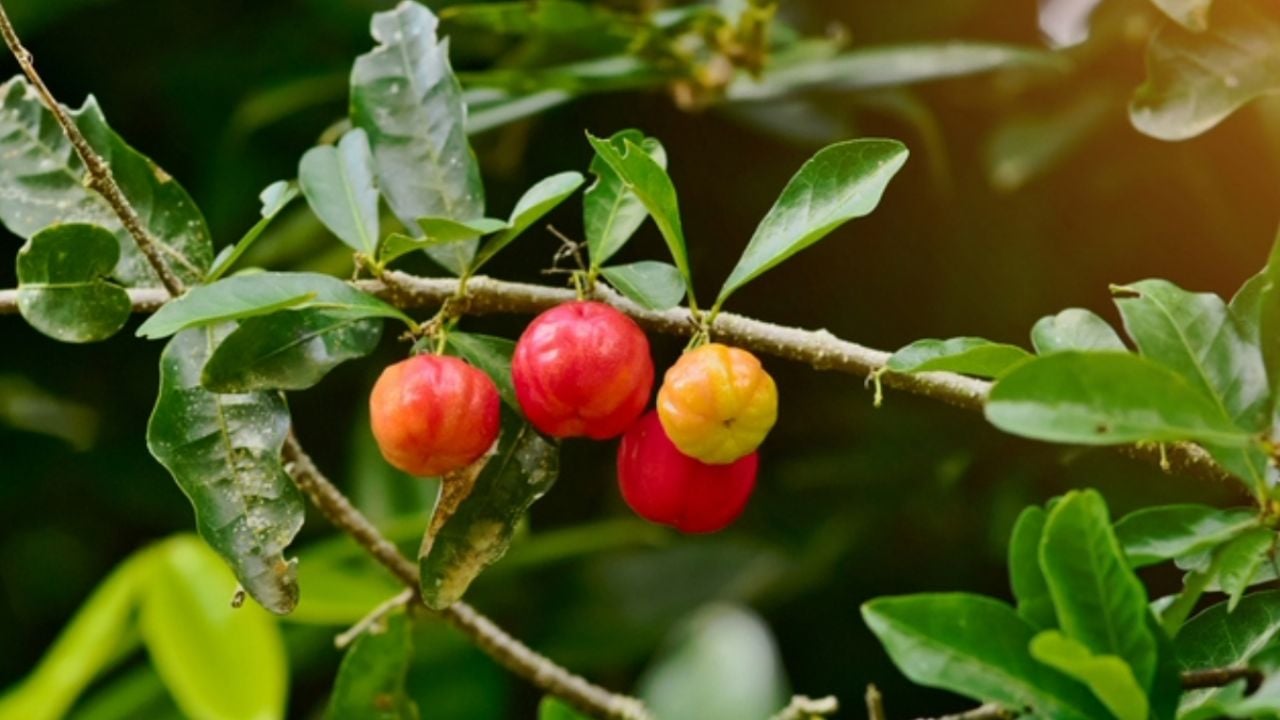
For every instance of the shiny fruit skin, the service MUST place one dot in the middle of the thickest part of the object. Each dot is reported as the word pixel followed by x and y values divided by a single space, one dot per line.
pixel 582 369
pixel 433 414
pixel 665 486
pixel 717 403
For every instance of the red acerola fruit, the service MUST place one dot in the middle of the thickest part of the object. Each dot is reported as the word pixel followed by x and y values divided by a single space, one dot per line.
pixel 582 369
pixel 666 486
pixel 433 414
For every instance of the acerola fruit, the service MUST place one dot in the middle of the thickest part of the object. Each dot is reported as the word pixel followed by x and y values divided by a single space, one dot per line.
pixel 433 414
pixel 582 369
pixel 717 403
pixel 663 485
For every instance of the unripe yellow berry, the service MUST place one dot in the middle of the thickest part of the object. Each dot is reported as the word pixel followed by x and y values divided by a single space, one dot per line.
pixel 717 403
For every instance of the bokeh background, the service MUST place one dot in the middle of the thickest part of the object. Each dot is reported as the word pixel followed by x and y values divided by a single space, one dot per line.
pixel 1024 195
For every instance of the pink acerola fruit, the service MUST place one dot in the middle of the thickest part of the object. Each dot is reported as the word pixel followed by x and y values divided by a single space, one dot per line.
pixel 582 369
pixel 665 486
pixel 433 414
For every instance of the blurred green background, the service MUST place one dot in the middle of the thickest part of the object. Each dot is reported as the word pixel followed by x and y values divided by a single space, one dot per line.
pixel 1024 195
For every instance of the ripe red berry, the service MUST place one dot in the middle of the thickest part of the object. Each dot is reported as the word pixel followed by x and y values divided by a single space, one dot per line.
pixel 582 369
pixel 666 486
pixel 433 414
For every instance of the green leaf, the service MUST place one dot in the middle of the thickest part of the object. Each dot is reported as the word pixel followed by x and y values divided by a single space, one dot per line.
pixel 889 65
pixel 397 245
pixel 1074 329
pixel 1196 79
pixel 100 633
pixel 43 182
pixel 405 96
pixel 1105 398
pixel 554 709
pixel 650 284
pixel 536 202
pixel 1157 534
pixel 202 647
pixel 371 679
pixel 579 21
pixel 842 182
pixel 1197 336
pixel 1240 560
pixel 1098 599
pixel 648 179
pixel 224 452
pixel 339 185
pixel 1109 677
pixel 480 531
pixel 968 355
pixel 443 230
pixel 275 197
pixel 611 213
pixel 1035 605
pixel 721 663
pixel 246 296
pixel 289 350
pixel 490 354
pixel 1191 14
pixel 977 647
pixel 61 287
pixel 1219 638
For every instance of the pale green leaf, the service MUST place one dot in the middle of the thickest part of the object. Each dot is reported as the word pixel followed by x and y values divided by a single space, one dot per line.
pixel 1157 534
pixel 967 355
pixel 62 290
pixel 649 283
pixel 536 202
pixel 1074 329
pixel 339 185
pixel 611 213
pixel 1109 677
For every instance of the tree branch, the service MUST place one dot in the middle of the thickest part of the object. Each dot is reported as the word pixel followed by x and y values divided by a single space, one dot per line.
pixel 803 707
pixel 1218 677
pixel 502 647
pixel 100 178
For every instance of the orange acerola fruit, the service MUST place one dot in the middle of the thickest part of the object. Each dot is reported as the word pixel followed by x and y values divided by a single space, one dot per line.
pixel 717 403
pixel 582 369
pixel 433 414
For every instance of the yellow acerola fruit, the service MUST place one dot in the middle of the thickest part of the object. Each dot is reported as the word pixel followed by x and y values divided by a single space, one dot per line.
pixel 717 403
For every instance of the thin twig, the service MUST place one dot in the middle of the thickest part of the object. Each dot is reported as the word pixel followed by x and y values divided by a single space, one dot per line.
pixel 990 711
pixel 374 617
pixel 100 178
pixel 875 703
pixel 803 707
pixel 1218 677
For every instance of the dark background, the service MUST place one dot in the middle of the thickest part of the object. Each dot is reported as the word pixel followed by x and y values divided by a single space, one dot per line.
pixel 853 502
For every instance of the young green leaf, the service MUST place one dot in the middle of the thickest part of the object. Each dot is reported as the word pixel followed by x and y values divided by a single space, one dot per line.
pixel 536 202
pixel 721 663
pixel 200 645
pixel 275 197
pixel 842 182
pixel 62 290
pixel 649 283
pixel 480 531
pixel 1109 677
pixel 490 354
pixel 371 680
pixel 44 182
pixel 648 179
pixel 1196 79
pixel 397 245
pixel 1240 561
pixel 443 230
pixel 405 96
pixel 101 631
pixel 245 296
pixel 1035 605
pixel 1218 638
pixel 339 185
pixel 1098 599
pixel 1197 336
pixel 1158 534
pixel 1074 329
pixel 977 647
pixel 611 213
pixel 290 350
pixel 1106 398
pixel 967 355
pixel 224 452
